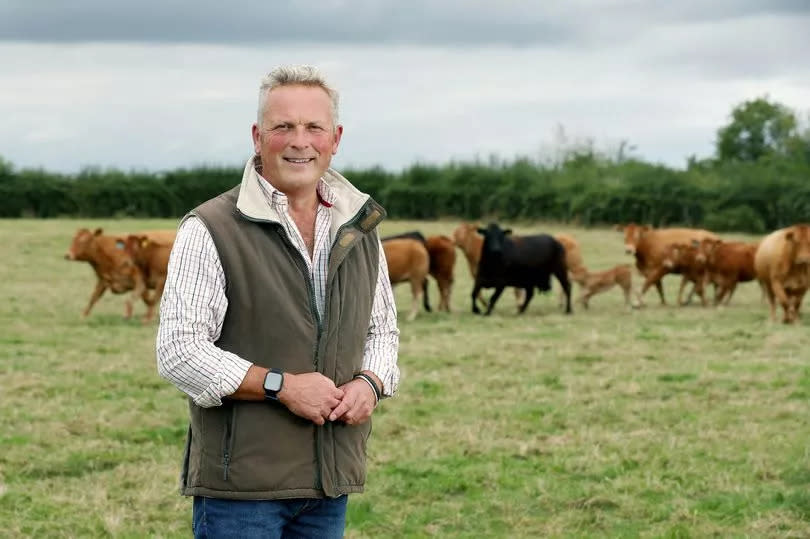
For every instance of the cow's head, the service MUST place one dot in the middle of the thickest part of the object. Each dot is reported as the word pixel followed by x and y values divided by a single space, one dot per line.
pixel 632 235
pixel 463 233
pixel 134 244
pixel 707 249
pixel 82 241
pixel 798 237
pixel 494 238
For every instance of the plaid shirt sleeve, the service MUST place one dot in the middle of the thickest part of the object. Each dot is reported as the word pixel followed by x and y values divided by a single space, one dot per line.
pixel 382 341
pixel 192 311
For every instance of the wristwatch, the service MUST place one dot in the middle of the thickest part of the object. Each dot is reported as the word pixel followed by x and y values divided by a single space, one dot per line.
pixel 272 384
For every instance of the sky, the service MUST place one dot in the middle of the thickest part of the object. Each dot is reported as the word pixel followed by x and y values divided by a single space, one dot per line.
pixel 164 84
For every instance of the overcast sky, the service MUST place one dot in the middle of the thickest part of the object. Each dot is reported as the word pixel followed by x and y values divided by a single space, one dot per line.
pixel 162 84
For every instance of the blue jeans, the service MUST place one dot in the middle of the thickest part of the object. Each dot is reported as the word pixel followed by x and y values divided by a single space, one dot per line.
pixel 216 518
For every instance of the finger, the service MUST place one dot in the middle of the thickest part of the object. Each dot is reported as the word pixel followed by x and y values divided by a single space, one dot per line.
pixel 338 412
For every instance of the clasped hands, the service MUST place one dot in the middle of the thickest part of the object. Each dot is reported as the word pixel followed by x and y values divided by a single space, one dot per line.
pixel 315 397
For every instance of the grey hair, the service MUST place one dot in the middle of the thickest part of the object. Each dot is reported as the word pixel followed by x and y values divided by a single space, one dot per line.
pixel 295 74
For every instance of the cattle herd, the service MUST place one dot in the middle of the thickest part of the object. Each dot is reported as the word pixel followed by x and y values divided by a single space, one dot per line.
pixel 780 262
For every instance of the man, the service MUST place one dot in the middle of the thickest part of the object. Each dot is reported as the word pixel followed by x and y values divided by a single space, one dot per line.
pixel 279 322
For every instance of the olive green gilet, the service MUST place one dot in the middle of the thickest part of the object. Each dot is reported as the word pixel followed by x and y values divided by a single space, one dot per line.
pixel 261 450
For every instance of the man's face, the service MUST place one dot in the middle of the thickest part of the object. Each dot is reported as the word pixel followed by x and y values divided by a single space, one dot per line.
pixel 296 140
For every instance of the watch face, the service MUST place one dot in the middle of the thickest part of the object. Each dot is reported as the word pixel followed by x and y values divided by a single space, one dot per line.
pixel 272 381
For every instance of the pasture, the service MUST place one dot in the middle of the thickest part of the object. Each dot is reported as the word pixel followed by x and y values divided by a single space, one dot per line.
pixel 660 422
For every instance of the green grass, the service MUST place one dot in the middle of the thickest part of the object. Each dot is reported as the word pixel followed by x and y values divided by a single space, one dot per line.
pixel 660 422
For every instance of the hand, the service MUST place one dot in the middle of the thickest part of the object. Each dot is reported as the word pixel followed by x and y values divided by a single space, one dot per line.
pixel 310 395
pixel 357 404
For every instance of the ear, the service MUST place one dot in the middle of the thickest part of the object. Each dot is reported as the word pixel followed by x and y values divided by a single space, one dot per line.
pixel 98 232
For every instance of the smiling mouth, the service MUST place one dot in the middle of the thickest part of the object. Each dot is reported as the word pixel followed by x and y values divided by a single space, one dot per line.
pixel 299 160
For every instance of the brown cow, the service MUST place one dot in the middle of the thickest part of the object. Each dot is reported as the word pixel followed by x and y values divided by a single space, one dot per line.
pixel 466 237
pixel 728 263
pixel 408 260
pixel 152 258
pixel 782 266
pixel 114 268
pixel 593 283
pixel 648 245
pixel 688 260
pixel 442 263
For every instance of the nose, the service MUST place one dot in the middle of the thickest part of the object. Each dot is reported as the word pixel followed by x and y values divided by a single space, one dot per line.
pixel 299 138
pixel 629 249
pixel 68 256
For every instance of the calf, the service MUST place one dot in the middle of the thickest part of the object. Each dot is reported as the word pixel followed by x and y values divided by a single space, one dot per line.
pixel 521 261
pixel 408 260
pixel 728 263
pixel 782 266
pixel 152 258
pixel 688 260
pixel 598 282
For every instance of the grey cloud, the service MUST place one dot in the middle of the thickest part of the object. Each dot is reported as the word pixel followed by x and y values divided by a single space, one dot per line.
pixel 337 21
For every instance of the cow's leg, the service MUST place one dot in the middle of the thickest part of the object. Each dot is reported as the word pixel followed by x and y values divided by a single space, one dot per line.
pixel 476 293
pixel 98 291
pixel 767 293
pixel 684 280
pixel 701 292
pixel 778 291
pixel 654 278
pixel 445 287
pixel 155 301
pixel 562 277
pixel 417 286
pixel 493 299
pixel 729 291
pixel 527 297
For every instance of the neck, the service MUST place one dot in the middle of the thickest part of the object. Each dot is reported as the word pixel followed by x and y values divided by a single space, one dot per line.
pixel 302 202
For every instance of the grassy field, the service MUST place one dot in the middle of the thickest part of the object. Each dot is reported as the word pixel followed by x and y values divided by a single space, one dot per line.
pixel 660 422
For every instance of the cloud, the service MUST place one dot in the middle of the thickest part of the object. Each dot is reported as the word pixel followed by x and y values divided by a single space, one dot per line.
pixel 611 71
pixel 370 22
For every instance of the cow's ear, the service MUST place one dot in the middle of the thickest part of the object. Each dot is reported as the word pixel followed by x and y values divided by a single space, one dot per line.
pixel 482 231
pixel 507 231
pixel 98 232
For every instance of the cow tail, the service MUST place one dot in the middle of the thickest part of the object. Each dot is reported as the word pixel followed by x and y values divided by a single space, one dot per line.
pixel 425 300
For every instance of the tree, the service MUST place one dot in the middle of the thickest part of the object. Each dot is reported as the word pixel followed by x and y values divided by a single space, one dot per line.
pixel 758 128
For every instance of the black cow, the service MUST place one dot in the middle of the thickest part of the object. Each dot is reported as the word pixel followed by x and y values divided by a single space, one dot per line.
pixel 415 235
pixel 520 261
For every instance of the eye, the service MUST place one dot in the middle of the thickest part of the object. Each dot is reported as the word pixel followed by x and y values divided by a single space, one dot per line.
pixel 282 127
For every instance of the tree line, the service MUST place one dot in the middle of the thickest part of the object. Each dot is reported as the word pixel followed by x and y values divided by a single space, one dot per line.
pixel 758 180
